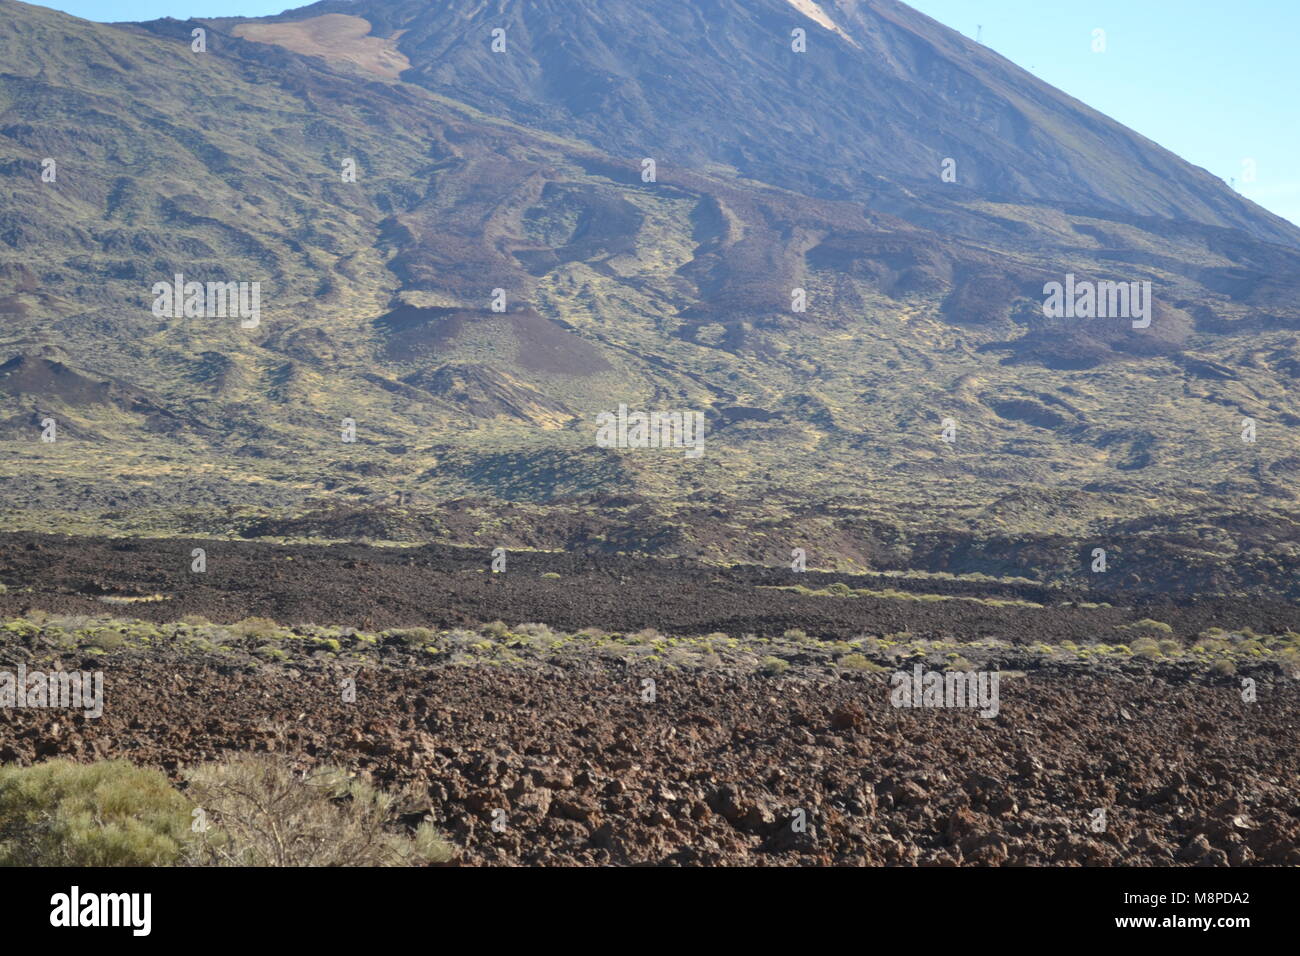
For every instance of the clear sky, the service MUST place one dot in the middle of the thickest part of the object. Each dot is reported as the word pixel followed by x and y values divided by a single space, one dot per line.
pixel 1214 81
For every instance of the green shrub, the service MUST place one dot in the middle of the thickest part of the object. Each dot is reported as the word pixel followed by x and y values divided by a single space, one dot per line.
pixel 536 631
pixel 258 628
pixel 414 636
pixel 264 813
pixel 107 640
pixel 772 666
pixel 1146 647
pixel 1289 659
pixel 21 629
pixel 795 634
pixel 257 809
pixel 859 662
pixel 1147 624
pixel 109 813
pixel 142 632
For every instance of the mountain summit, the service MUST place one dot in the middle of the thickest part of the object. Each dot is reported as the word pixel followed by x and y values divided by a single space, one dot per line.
pixel 880 97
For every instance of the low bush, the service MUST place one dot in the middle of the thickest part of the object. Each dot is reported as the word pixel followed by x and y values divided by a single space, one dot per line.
pixel 264 813
pixel 859 662
pixel 258 628
pixel 1146 647
pixel 109 813
pixel 414 636
pixel 249 810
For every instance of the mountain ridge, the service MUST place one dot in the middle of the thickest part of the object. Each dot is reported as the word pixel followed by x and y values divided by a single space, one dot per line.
pixel 921 52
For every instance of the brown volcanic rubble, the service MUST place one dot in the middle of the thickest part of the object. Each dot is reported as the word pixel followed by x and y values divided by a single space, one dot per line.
pixel 581 770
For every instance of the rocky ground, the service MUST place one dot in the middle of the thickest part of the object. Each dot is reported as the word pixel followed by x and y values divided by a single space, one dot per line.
pixel 577 767
pixel 440 586
pixel 530 745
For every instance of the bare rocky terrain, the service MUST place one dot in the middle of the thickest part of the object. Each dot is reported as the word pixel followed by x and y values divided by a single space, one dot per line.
pixel 787 717
pixel 713 771
pixel 442 586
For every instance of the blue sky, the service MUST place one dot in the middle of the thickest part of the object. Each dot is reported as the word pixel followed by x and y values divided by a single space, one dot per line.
pixel 1215 82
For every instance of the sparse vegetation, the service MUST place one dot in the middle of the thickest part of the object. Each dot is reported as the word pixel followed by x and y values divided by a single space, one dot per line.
pixel 413 636
pixel 111 813
pixel 859 662
pixel 265 813
pixel 258 628
pixel 1146 647
pixel 502 645
pixel 249 810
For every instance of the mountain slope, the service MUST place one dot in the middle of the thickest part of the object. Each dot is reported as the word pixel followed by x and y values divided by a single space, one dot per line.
pixel 879 99
pixel 499 274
